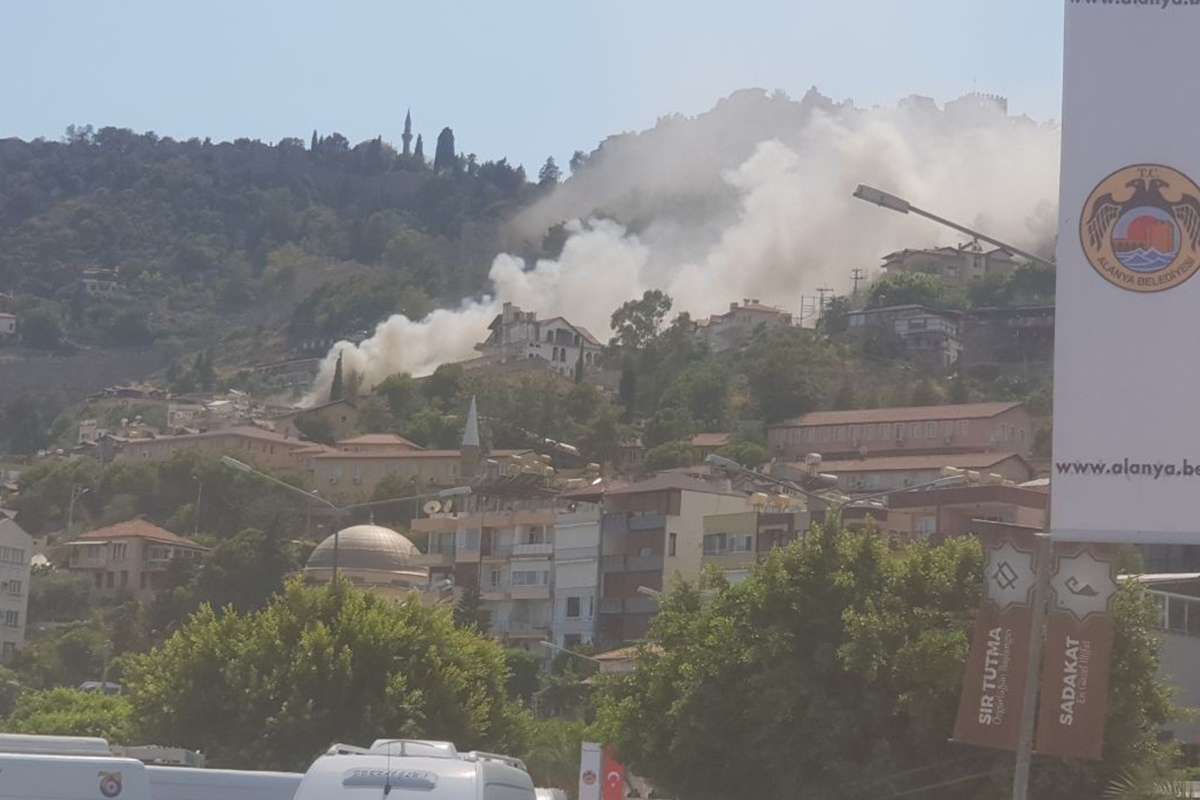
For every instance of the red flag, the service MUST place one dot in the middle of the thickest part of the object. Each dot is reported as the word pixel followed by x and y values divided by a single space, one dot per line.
pixel 614 777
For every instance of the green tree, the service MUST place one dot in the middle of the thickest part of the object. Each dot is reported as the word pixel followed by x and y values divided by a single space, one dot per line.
pixel 549 174
pixel 737 694
pixel 419 150
pixel 637 322
pixel 444 159
pixel 316 429
pixel 444 386
pixel 402 393
pixel 244 572
pixel 524 674
pixel 788 374
pixel 42 328
pixel 321 664
pixel 337 388
pixel 908 288
pixel 671 423
pixel 64 656
pixel 58 596
pixel 749 454
pixel 68 712
pixel 553 753
pixel 835 317
pixel 669 455
pixel 924 394
pixel 469 612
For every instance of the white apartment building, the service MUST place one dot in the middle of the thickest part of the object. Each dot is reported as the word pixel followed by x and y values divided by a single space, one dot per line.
pixel 517 335
pixel 16 547
pixel 576 574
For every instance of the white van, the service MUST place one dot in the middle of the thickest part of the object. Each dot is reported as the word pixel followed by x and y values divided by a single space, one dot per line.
pixel 188 783
pixel 24 776
pixel 405 769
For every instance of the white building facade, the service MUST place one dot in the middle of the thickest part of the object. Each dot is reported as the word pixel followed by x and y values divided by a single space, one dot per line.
pixel 576 575
pixel 16 547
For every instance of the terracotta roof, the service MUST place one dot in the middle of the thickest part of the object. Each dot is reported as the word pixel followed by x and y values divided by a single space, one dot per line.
pixel 244 431
pixel 905 463
pixel 665 481
pixel 410 454
pixel 138 529
pixel 711 439
pixel 908 414
pixel 966 495
pixel 382 439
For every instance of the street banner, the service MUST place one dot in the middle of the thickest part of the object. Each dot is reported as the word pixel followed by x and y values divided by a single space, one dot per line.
pixel 989 713
pixel 1126 463
pixel 1077 652
pixel 589 771
pixel 614 776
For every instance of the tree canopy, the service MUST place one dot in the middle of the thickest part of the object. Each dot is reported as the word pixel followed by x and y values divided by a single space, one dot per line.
pixel 270 688
pixel 835 670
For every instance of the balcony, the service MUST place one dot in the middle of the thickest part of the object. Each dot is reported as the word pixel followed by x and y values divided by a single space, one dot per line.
pixel 564 554
pixel 628 605
pixel 438 558
pixel 83 562
pixel 621 563
pixel 730 559
pixel 577 518
pixel 520 628
pixel 539 591
pixel 155 564
pixel 536 550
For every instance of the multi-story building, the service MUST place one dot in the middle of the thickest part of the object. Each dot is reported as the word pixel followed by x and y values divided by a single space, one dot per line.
pixel 653 531
pixel 735 327
pixel 927 336
pixel 8 324
pixel 734 543
pixel 507 553
pixel 891 472
pixel 518 335
pixel 16 548
pixel 951 511
pixel 1004 426
pixel 955 266
pixel 129 558
pixel 100 282
pixel 254 445
pixel 576 574
pixel 348 476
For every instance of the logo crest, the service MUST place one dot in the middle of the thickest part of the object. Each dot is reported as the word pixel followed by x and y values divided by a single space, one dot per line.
pixel 110 784
pixel 1140 228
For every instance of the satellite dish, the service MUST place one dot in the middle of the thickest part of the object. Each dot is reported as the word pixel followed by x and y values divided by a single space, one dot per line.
pixel 432 507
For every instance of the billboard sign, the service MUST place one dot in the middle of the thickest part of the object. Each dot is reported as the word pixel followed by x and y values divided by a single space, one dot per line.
pixel 989 712
pixel 1126 458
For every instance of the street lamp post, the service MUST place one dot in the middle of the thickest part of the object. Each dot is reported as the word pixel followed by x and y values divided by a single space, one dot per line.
pixel 901 206
pixel 338 511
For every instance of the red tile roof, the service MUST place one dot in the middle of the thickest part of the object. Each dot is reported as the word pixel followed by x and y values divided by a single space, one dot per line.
pixel 138 529
pixel 909 414
pixel 907 463
pixel 382 439
pixel 409 454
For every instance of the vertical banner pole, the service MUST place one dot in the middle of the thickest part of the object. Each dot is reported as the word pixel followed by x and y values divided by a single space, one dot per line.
pixel 1041 594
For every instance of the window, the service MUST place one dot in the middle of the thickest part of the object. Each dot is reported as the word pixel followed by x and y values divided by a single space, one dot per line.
pixel 931 429
pixel 12 555
pixel 494 578
pixel 12 618
pixel 672 541
pixel 868 432
pixel 914 430
pixel 962 427
pixel 900 431
pixel 841 433
pixel 124 578
pixel 109 578
pixel 99 580
pixel 529 577
pixel 591 606
pixel 14 587
pixel 947 428
pixel 572 607
pixel 118 551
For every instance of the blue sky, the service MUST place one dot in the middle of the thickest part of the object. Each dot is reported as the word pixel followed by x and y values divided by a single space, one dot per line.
pixel 523 78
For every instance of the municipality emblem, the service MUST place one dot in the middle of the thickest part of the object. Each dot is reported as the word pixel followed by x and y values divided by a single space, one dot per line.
pixel 1140 228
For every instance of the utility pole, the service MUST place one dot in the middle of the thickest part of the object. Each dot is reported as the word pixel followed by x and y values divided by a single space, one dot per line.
pixel 857 276
pixel 196 510
pixel 822 302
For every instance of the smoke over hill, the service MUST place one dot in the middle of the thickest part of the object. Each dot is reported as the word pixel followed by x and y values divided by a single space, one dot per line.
pixel 750 199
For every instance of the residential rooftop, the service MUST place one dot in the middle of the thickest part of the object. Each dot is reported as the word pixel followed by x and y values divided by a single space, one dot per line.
pixel 907 414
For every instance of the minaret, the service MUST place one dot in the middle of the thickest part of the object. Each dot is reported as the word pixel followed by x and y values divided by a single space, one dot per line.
pixel 472 453
pixel 407 137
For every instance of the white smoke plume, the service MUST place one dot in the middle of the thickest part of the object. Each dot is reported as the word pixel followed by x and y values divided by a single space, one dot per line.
pixel 752 199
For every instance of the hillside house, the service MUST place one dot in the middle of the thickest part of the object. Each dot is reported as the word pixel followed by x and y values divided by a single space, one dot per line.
pixel 129 558
pixel 734 328
pixel 517 335
pixel 956 266
pixel 928 336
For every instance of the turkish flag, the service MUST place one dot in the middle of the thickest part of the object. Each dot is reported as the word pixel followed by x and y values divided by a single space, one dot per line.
pixel 614 777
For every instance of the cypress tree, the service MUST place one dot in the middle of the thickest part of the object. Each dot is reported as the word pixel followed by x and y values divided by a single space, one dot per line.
pixel 443 157
pixel 419 150
pixel 337 390
pixel 315 142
